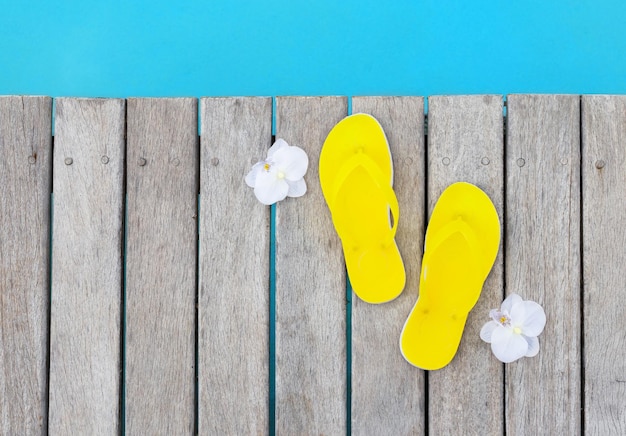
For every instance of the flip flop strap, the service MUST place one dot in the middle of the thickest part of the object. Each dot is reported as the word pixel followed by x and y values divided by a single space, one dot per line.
pixel 361 160
pixel 456 226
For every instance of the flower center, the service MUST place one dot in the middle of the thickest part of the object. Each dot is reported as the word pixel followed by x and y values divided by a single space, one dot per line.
pixel 281 175
pixel 501 318
pixel 517 330
pixel 267 166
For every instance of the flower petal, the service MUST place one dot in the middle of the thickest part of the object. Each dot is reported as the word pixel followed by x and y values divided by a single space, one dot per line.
pixel 508 346
pixel 494 314
pixel 269 189
pixel 530 317
pixel 278 144
pixel 510 301
pixel 251 177
pixel 487 331
pixel 297 188
pixel 292 161
pixel 533 346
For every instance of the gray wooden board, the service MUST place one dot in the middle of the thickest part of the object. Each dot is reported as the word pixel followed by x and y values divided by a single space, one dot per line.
pixel 162 189
pixel 25 153
pixel 465 143
pixel 543 259
pixel 604 256
pixel 387 392
pixel 87 266
pixel 310 285
pixel 233 342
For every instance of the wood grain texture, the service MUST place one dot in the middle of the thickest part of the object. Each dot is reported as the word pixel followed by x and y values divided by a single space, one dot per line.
pixel 233 342
pixel 387 393
pixel 25 173
pixel 543 259
pixel 162 189
pixel 87 267
pixel 604 256
pixel 465 143
pixel 310 285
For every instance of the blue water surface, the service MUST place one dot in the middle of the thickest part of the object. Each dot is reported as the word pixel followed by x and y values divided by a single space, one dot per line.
pixel 277 47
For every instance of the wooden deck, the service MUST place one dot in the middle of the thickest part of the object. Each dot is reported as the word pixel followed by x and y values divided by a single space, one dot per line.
pixel 131 304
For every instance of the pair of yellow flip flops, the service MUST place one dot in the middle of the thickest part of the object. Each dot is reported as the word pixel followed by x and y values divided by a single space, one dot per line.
pixel 462 240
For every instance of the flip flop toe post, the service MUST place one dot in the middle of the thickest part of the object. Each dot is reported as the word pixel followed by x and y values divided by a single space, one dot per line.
pixel 356 175
pixel 462 242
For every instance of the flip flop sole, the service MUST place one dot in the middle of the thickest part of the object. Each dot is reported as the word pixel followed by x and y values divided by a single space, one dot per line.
pixel 360 207
pixel 461 245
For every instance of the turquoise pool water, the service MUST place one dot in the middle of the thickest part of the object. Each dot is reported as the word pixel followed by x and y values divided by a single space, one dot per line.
pixel 277 47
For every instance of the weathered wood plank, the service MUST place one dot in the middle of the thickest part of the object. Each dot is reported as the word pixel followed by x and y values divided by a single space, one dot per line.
pixel 543 259
pixel 465 143
pixel 387 393
pixel 310 285
pixel 162 188
pixel 25 153
pixel 233 342
pixel 87 266
pixel 604 256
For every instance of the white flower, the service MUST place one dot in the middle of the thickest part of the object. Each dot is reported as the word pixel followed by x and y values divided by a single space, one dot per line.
pixel 280 175
pixel 513 330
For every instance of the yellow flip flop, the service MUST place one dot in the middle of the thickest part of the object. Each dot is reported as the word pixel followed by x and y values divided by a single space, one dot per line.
pixel 461 245
pixel 356 175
